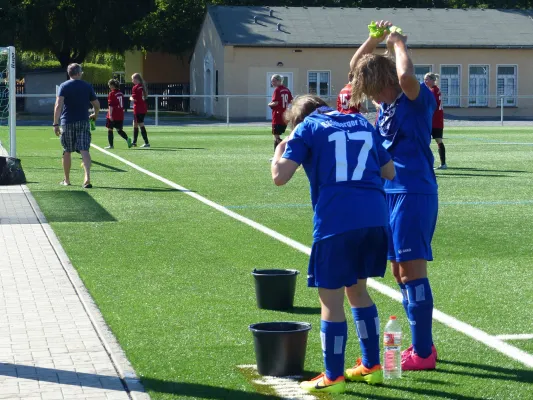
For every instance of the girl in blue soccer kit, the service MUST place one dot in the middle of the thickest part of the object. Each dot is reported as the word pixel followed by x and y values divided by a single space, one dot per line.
pixel 344 162
pixel 404 123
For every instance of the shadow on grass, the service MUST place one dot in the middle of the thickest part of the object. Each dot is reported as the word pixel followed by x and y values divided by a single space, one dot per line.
pixel 163 190
pixel 385 393
pixel 454 175
pixel 71 206
pixel 484 170
pixel 304 310
pixel 106 166
pixel 491 372
pixel 196 390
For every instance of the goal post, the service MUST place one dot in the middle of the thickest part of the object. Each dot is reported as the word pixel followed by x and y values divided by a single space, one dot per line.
pixel 8 103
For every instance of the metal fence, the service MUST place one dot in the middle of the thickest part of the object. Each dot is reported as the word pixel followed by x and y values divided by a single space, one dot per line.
pixel 168 108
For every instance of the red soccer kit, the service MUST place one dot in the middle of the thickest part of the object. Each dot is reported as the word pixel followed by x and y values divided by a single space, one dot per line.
pixel 284 97
pixel 438 116
pixel 139 104
pixel 343 101
pixel 116 100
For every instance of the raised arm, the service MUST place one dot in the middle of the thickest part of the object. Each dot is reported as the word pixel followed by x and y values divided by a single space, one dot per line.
pixel 404 65
pixel 369 45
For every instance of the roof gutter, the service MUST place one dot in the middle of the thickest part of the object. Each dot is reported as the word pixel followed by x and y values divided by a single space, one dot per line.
pixel 412 46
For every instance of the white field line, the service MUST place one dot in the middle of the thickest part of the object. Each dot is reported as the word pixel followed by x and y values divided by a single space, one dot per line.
pixel 525 336
pixel 476 334
pixel 286 387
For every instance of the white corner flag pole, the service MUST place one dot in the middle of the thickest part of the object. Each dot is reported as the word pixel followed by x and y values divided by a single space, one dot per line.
pixel 12 102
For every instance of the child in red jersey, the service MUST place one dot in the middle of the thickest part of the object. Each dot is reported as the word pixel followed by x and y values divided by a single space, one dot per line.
pixel 115 113
pixel 343 100
pixel 140 108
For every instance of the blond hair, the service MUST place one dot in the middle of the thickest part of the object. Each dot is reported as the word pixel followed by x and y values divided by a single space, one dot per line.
pixel 139 77
pixel 431 76
pixel 301 107
pixel 371 75
pixel 277 77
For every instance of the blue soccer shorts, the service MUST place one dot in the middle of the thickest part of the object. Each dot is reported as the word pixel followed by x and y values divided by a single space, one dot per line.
pixel 413 218
pixel 342 259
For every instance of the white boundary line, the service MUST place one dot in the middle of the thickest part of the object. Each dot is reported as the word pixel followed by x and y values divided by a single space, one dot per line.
pixel 515 337
pixel 476 334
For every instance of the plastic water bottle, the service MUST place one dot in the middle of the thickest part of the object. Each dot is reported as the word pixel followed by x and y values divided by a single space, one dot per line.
pixel 392 343
pixel 93 124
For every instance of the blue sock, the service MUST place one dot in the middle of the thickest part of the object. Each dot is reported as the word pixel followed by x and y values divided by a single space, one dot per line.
pixel 333 336
pixel 367 324
pixel 405 301
pixel 420 313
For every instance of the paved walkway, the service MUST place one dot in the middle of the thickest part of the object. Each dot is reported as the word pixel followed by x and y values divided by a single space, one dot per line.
pixel 53 341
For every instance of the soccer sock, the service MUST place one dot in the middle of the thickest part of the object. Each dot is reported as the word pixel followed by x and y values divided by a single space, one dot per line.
pixel 144 134
pixel 420 314
pixel 110 137
pixel 405 301
pixel 123 134
pixel 442 153
pixel 367 324
pixel 135 134
pixel 333 336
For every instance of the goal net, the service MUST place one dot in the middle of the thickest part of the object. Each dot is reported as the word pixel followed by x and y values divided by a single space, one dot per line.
pixel 8 91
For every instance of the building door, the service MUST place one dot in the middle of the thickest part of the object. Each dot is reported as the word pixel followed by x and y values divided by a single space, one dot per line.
pixel 287 82
pixel 208 83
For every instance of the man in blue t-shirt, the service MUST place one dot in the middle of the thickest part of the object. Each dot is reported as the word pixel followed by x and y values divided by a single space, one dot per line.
pixel 404 123
pixel 344 162
pixel 72 105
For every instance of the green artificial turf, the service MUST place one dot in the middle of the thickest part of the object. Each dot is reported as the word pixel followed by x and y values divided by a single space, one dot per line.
pixel 172 276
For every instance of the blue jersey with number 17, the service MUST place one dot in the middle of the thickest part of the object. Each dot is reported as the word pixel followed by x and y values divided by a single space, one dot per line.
pixel 342 156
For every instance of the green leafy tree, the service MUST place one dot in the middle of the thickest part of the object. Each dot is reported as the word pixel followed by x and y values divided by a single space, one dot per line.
pixel 72 29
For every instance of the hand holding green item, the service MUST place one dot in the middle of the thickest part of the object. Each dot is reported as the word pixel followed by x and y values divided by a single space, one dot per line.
pixel 376 31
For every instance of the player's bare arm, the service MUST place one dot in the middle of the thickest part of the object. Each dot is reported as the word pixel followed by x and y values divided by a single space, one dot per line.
pixel 388 171
pixel 404 66
pixel 96 106
pixel 111 113
pixel 273 104
pixel 60 101
pixel 282 168
pixel 370 44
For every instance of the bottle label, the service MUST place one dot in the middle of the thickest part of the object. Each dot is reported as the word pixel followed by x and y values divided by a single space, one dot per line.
pixel 392 339
pixel 390 359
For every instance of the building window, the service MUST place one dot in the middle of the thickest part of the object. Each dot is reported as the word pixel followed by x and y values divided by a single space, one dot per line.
pixel 318 82
pixel 478 85
pixel 421 71
pixel 450 85
pixel 507 85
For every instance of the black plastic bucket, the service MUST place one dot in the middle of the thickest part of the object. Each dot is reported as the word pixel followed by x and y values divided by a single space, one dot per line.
pixel 280 347
pixel 275 288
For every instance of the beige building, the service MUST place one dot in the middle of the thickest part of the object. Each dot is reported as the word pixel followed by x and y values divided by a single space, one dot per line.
pixel 157 67
pixel 479 54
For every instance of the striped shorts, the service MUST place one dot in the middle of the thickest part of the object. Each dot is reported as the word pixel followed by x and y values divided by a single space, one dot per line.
pixel 76 136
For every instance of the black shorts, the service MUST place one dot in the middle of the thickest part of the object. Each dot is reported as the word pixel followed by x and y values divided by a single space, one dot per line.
pixel 278 129
pixel 436 133
pixel 139 118
pixel 118 125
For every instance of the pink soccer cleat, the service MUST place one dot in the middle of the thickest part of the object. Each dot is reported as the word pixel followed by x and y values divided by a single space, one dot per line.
pixel 413 362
